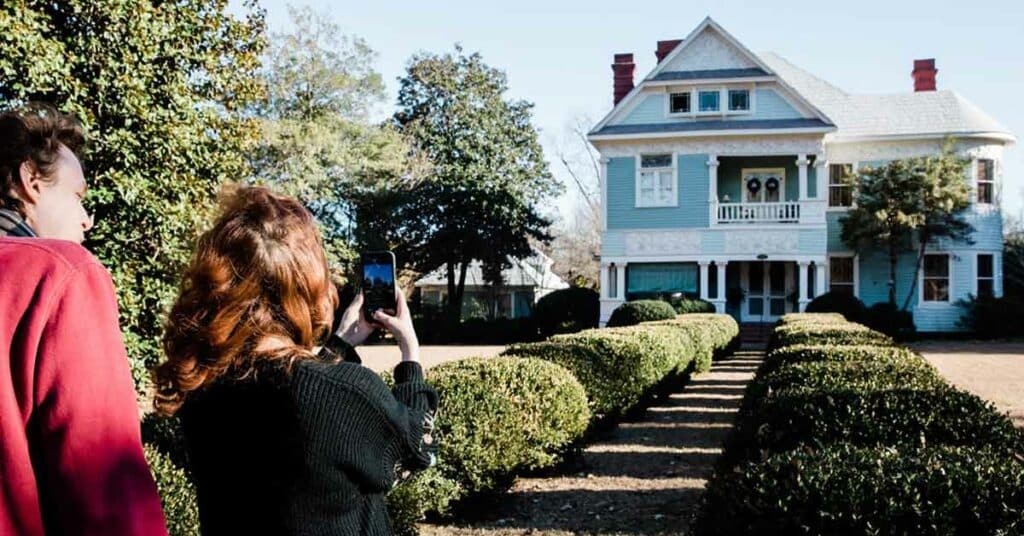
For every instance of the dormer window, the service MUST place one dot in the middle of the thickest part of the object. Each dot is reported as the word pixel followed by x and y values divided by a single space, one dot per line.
pixel 708 101
pixel 679 103
pixel 739 100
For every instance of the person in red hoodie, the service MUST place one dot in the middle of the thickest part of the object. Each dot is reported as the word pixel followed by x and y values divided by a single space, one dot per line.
pixel 71 458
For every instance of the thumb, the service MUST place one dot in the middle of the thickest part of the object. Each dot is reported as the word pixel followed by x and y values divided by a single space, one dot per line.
pixel 384 319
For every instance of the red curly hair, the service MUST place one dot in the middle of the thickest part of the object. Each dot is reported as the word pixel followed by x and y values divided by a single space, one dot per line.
pixel 259 272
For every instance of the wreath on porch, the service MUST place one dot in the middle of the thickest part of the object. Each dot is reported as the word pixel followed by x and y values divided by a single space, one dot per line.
pixel 753 185
pixel 772 184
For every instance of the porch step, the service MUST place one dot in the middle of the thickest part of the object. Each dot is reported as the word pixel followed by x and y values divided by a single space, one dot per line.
pixel 754 335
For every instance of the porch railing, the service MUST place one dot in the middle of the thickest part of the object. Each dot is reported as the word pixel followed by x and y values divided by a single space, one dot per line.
pixel 780 212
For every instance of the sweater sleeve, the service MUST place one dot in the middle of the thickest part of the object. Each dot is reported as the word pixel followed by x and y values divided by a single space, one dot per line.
pixel 93 472
pixel 367 430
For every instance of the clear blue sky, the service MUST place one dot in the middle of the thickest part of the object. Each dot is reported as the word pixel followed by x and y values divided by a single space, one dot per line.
pixel 558 54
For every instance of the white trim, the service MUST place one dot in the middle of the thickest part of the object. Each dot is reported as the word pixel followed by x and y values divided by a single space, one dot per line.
pixel 695 89
pixel 828 186
pixel 856 270
pixel 920 282
pixel 604 192
pixel 975 164
pixel 743 183
pixel 751 79
pixel 658 171
pixel 668 103
pixel 707 133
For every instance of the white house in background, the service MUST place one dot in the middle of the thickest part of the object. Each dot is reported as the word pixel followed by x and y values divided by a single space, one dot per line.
pixel 721 179
pixel 525 282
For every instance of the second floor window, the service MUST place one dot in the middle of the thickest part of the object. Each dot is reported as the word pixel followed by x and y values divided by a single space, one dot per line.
pixel 986 181
pixel 708 101
pixel 656 186
pixel 840 191
pixel 679 103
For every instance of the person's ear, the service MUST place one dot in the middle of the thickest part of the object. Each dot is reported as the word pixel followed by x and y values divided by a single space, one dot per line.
pixel 30 184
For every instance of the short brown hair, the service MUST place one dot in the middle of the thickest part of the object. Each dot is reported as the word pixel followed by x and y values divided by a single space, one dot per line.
pixel 33 133
pixel 261 270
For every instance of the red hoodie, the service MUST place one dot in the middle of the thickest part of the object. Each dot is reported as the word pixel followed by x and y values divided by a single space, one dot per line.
pixel 71 458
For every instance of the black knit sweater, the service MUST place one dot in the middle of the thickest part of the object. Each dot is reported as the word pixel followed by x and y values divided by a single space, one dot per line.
pixel 312 452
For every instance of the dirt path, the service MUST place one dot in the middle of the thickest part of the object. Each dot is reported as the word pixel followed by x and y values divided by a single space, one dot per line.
pixel 993 370
pixel 644 477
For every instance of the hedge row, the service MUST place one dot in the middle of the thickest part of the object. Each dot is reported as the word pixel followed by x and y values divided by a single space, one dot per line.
pixel 862 439
pixel 501 416
pixel 617 366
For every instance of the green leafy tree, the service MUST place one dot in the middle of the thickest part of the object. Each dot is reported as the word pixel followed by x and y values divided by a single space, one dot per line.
pixel 488 175
pixel 160 87
pixel 316 140
pixel 907 205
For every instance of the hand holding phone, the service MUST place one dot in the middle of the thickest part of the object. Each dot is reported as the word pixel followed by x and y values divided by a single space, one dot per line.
pixel 378 284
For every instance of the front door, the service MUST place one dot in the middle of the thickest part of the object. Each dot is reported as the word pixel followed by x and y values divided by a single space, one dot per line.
pixel 768 286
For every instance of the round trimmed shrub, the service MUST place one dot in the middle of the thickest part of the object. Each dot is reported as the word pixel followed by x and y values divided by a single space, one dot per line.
pixel 713 333
pixel 177 495
pixel 687 306
pixel 838 302
pixel 861 376
pixel 848 490
pixel 529 408
pixel 886 318
pixel 567 310
pixel 812 318
pixel 634 312
pixel 827 334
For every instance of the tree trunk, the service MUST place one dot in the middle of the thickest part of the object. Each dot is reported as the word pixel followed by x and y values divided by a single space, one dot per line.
pixel 460 291
pixel 893 259
pixel 917 272
pixel 453 310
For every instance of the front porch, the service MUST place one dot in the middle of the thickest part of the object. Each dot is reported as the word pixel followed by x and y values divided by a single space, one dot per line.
pixel 752 290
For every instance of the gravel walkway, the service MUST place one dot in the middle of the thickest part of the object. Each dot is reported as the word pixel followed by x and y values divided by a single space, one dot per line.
pixel 991 370
pixel 645 477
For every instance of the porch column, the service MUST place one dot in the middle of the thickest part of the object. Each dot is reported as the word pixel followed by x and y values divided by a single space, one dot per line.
pixel 719 300
pixel 803 267
pixel 801 163
pixel 712 189
pixel 704 279
pixel 620 286
pixel 604 281
pixel 819 277
pixel 821 175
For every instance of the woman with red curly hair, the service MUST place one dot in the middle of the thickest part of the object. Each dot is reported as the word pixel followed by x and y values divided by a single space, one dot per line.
pixel 282 439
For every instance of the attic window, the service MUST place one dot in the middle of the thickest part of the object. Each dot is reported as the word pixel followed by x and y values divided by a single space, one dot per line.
pixel 679 103
pixel 739 100
pixel 708 101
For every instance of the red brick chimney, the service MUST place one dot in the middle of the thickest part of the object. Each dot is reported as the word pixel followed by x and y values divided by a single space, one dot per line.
pixel 623 70
pixel 924 75
pixel 664 47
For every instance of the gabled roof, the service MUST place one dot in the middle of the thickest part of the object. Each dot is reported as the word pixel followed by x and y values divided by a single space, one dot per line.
pixel 906 115
pixel 709 73
pixel 661 73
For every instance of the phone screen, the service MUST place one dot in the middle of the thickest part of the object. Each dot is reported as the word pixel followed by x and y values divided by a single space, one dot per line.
pixel 378 283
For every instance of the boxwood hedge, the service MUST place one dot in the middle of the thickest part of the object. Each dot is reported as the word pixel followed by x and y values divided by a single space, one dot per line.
pixel 842 432
pixel 632 313
pixel 498 416
pixel 177 495
pixel 882 490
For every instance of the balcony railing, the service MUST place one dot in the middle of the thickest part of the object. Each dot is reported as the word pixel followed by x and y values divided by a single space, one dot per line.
pixel 778 212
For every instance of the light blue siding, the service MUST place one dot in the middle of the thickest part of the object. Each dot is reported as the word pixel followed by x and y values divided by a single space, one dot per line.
pixel 874 277
pixel 771 105
pixel 692 210
pixel 652 109
pixel 812 181
pixel 812 241
pixel 835 244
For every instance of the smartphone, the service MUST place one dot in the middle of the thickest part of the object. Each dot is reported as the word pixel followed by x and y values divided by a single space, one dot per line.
pixel 378 283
